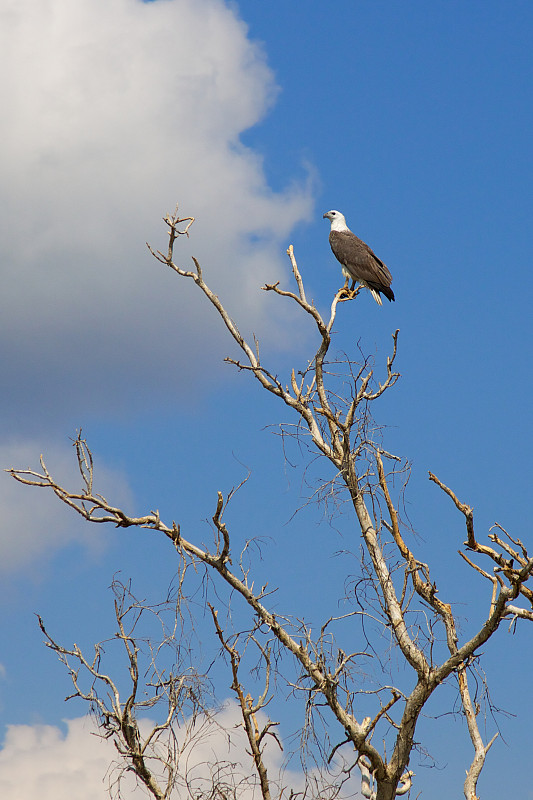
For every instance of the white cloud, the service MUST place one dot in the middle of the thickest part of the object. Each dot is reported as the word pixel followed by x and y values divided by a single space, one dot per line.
pixel 38 761
pixel 41 761
pixel 34 524
pixel 113 110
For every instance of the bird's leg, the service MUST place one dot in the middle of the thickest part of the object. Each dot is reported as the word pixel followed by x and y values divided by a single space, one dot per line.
pixel 344 293
pixel 353 291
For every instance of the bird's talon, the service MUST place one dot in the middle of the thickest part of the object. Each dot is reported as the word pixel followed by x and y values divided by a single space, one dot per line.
pixel 347 294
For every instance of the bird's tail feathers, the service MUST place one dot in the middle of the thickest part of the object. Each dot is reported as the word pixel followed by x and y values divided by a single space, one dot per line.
pixel 376 296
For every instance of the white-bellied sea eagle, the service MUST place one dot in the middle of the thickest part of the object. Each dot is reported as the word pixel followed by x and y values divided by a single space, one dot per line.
pixel 359 263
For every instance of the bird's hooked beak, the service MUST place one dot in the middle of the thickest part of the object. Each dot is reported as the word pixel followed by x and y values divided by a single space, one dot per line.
pixel 326 215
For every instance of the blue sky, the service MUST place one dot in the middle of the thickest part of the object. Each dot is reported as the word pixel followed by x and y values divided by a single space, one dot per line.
pixel 415 120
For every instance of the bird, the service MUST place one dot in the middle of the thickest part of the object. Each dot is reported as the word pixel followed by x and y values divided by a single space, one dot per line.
pixel 359 263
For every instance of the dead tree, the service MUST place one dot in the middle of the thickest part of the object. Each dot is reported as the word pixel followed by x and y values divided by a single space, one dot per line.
pixel 331 399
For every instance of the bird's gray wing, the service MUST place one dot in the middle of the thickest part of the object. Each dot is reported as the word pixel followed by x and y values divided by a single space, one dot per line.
pixel 380 266
pixel 358 259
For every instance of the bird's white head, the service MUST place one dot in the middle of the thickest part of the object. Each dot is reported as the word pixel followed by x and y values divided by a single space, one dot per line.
pixel 338 223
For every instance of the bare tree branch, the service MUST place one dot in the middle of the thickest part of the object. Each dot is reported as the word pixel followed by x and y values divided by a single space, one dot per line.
pixel 330 398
